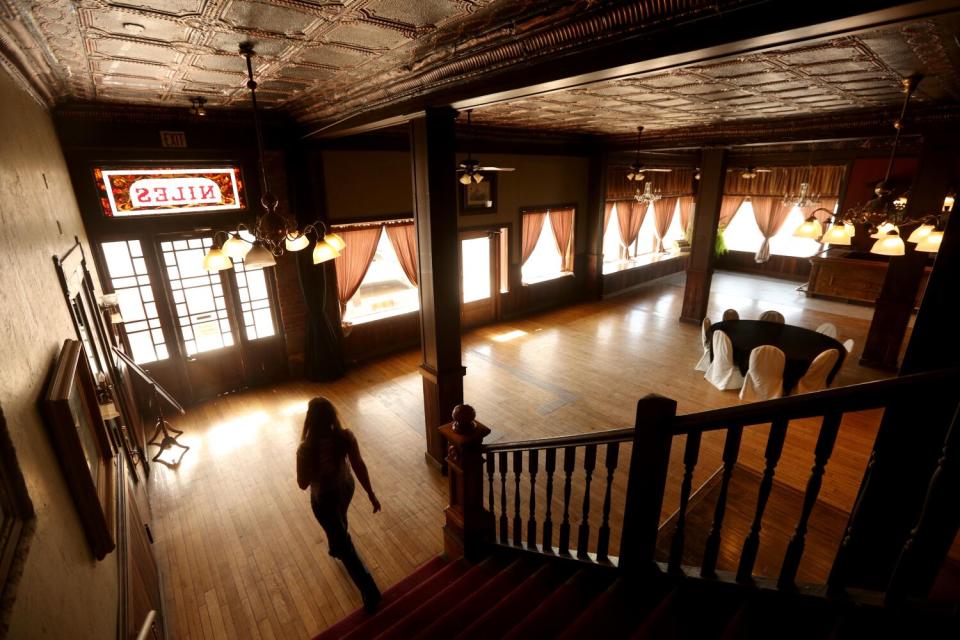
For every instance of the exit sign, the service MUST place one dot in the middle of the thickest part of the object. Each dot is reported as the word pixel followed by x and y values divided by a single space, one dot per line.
pixel 177 139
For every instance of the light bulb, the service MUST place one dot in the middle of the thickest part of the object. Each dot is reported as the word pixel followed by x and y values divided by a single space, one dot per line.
pixel 258 257
pixel 295 241
pixel 322 252
pixel 836 235
pixel 920 232
pixel 236 247
pixel 930 243
pixel 889 245
pixel 216 260
pixel 465 178
pixel 335 241
pixel 810 228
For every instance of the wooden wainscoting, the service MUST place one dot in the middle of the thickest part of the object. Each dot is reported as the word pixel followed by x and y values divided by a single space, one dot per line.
pixel 786 267
pixel 381 337
pixel 622 280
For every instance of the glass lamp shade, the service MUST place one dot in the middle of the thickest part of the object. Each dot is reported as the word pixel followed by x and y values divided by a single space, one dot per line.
pixel 930 243
pixel 236 247
pixel 948 203
pixel 295 241
pixel 478 177
pixel 258 257
pixel 920 232
pixel 883 230
pixel 335 241
pixel 810 228
pixel 216 260
pixel 837 234
pixel 850 229
pixel 465 178
pixel 324 251
pixel 889 245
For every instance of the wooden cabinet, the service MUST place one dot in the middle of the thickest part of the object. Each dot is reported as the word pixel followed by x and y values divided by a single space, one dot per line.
pixel 851 276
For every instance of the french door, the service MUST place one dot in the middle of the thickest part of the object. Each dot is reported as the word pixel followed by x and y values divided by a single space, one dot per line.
pixel 480 272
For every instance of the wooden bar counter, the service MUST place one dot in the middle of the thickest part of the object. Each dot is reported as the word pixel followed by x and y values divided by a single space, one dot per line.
pixel 851 276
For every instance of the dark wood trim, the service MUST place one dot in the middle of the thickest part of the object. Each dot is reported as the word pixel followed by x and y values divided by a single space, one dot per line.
pixel 619 282
pixel 706 219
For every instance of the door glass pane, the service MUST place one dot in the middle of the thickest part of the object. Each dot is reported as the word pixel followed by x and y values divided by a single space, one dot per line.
pixel 202 314
pixel 475 254
pixel 130 280
pixel 257 316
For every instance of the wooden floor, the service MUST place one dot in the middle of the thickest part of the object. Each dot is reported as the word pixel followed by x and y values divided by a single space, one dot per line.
pixel 240 551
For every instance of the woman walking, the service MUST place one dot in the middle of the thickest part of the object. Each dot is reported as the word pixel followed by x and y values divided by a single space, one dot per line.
pixel 322 456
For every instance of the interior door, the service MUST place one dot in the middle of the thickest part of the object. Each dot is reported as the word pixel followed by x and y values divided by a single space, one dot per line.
pixel 205 323
pixel 479 278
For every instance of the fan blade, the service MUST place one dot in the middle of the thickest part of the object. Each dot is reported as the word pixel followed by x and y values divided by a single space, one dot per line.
pixel 763 170
pixel 495 169
pixel 660 170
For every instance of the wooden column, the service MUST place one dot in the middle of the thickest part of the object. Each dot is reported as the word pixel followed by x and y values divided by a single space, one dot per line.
pixel 902 283
pixel 597 193
pixel 432 149
pixel 706 219
pixel 469 527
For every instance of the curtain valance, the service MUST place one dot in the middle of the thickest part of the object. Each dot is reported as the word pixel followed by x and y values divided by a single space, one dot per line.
pixel 678 182
pixel 780 181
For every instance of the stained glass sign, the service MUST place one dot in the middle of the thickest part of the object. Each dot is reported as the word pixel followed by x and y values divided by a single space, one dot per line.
pixel 148 192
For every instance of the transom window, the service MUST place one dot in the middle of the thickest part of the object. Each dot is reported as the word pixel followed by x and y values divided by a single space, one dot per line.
pixel 385 290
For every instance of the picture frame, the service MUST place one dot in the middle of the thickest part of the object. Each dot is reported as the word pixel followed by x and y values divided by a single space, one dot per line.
pixel 87 455
pixel 479 197
pixel 17 522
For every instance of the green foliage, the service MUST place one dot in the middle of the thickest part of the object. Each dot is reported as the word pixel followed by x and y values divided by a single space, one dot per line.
pixel 720 247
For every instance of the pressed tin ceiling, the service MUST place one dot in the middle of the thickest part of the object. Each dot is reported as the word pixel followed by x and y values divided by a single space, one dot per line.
pixel 319 60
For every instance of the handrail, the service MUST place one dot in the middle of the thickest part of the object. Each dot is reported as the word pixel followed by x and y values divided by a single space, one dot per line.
pixel 576 440
pixel 858 397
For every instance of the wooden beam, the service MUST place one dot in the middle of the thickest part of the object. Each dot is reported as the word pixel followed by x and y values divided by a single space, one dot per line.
pixel 433 157
pixel 596 204
pixel 706 219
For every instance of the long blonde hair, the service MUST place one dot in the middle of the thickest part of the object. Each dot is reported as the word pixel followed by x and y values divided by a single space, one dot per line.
pixel 321 420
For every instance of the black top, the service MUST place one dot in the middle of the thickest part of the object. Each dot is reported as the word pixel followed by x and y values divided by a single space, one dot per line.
pixel 799 345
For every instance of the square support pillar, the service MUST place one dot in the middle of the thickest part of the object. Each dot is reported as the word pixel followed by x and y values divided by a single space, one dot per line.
pixel 706 219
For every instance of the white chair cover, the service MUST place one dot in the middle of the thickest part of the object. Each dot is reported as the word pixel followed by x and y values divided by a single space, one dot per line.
pixel 848 345
pixel 828 329
pixel 815 378
pixel 731 314
pixel 722 372
pixel 704 363
pixel 772 316
pixel 764 380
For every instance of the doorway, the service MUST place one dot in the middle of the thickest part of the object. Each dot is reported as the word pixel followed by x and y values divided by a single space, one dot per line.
pixel 481 276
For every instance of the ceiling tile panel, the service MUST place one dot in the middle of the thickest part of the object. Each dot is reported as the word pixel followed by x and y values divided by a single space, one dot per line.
pixel 136 50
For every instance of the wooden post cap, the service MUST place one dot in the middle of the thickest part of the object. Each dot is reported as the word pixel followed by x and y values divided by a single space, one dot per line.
pixel 463 418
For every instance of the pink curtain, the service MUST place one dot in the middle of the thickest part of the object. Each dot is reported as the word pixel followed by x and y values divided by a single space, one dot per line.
pixel 770 213
pixel 561 222
pixel 532 226
pixel 688 204
pixel 354 260
pixel 663 210
pixel 403 237
pixel 607 212
pixel 630 215
pixel 728 208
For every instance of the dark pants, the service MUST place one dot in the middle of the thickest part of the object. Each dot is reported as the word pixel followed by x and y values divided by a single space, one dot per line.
pixel 330 509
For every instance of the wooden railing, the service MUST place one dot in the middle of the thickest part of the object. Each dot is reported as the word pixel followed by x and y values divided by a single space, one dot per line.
pixel 594 461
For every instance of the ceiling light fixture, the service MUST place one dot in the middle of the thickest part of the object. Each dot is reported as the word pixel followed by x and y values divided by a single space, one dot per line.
pixel 197 106
pixel 272 233
pixel 470 169
pixel 648 195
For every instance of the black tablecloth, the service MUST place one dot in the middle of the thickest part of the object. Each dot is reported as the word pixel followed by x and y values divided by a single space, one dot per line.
pixel 799 345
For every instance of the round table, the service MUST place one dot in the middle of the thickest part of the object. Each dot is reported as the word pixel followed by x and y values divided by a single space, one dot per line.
pixel 799 345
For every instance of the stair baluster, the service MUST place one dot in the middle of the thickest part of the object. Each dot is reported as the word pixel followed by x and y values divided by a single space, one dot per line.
pixel 490 464
pixel 533 462
pixel 517 520
pixel 550 466
pixel 690 455
pixel 502 459
pixel 778 433
pixel 569 461
pixel 603 539
pixel 731 449
pixel 821 455
pixel 589 464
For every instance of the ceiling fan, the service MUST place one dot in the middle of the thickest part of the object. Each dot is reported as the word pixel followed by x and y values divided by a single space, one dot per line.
pixel 638 170
pixel 750 172
pixel 470 168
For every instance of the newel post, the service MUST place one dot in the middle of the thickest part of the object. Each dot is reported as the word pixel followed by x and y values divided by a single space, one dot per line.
pixel 468 525
pixel 648 477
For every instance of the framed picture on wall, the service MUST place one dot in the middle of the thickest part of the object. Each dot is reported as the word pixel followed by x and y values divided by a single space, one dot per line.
pixel 17 522
pixel 479 197
pixel 83 446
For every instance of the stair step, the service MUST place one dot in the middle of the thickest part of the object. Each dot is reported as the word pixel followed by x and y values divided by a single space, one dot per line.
pixel 446 599
pixel 692 610
pixel 563 605
pixel 387 615
pixel 617 611
pixel 516 604
pixel 765 611
pixel 447 625
pixel 391 595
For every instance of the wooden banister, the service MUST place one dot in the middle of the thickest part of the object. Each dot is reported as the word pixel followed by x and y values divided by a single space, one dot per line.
pixel 559 442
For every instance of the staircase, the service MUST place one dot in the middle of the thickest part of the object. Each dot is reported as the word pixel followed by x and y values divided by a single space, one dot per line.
pixel 511 577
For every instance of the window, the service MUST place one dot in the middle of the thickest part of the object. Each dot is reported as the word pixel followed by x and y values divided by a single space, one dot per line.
pixel 254 299
pixel 150 192
pixel 642 251
pixel 545 261
pixel 385 290
pixel 129 279
pixel 742 234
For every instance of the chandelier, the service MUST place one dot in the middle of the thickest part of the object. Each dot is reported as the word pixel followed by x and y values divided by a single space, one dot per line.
pixel 804 199
pixel 272 233
pixel 647 195
pixel 885 214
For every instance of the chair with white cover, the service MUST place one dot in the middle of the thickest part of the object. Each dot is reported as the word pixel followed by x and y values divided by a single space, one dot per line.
pixel 722 372
pixel 764 379
pixel 704 363
pixel 731 314
pixel 848 345
pixel 828 329
pixel 815 378
pixel 772 316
